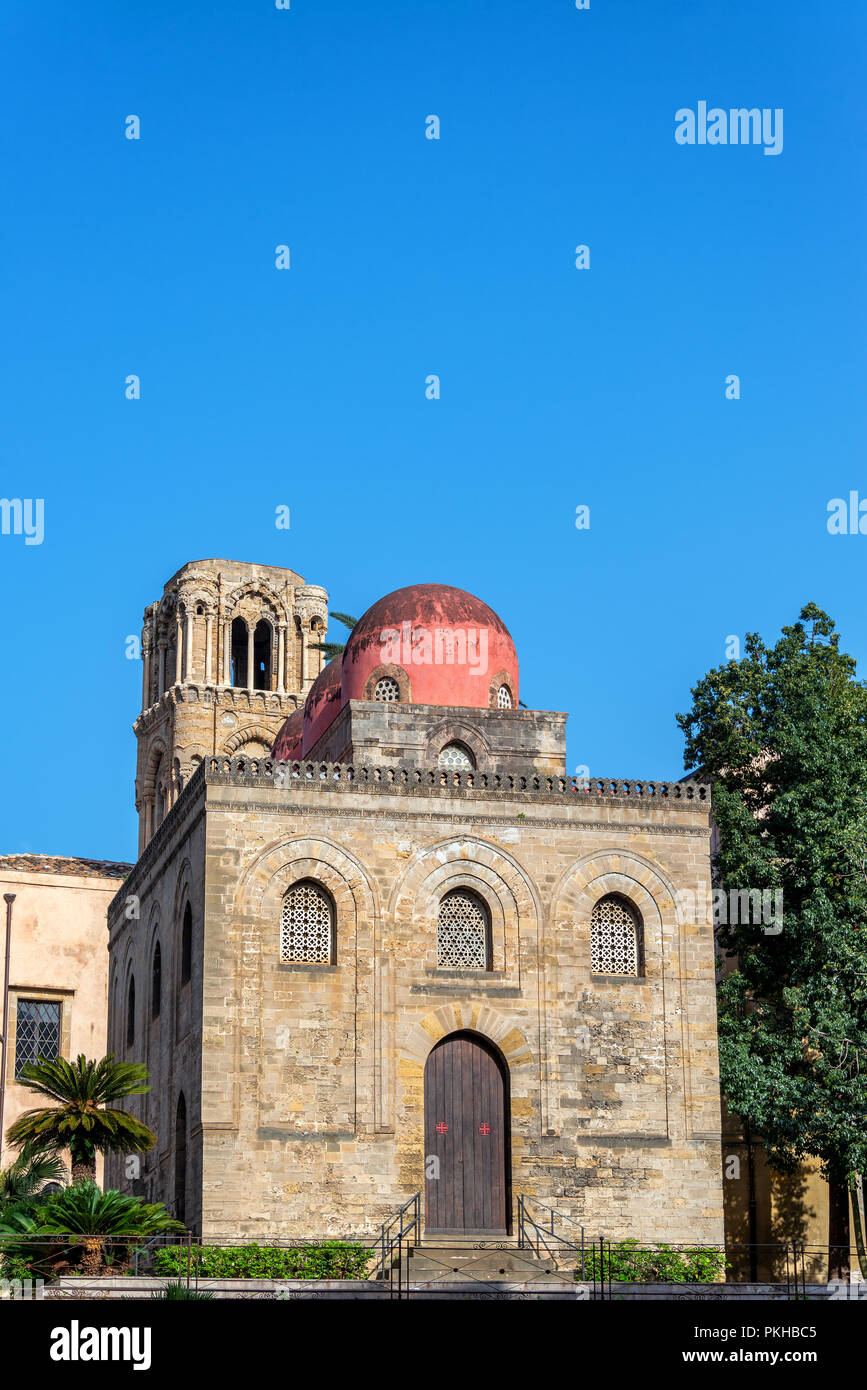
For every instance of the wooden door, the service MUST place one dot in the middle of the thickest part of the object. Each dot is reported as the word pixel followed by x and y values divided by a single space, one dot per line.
pixel 466 1123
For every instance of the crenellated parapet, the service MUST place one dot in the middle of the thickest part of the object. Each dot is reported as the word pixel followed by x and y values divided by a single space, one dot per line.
pixel 255 771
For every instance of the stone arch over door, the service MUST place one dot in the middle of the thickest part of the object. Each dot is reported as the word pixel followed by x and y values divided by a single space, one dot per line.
pixel 417 1039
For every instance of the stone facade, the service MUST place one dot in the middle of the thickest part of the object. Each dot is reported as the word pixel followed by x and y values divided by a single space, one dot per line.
pixel 58 958
pixel 300 1086
pixel 228 652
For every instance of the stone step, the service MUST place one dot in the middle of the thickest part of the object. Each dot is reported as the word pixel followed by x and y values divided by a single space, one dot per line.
pixel 464 1262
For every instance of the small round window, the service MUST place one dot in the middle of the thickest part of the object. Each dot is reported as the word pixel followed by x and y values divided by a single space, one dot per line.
pixel 456 755
pixel 386 690
pixel 504 697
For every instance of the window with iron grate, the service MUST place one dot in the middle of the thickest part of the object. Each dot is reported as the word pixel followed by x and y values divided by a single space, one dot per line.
pixel 504 697
pixel 455 755
pixel 463 932
pixel 614 938
pixel 306 925
pixel 37 1032
pixel 386 690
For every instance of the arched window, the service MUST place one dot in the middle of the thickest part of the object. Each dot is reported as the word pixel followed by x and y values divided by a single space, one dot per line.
pixel 181 1159
pixel 130 1013
pixel 504 697
pixel 463 932
pixel 307 925
pixel 239 653
pixel 156 981
pixel 386 690
pixel 615 938
pixel 187 945
pixel 159 794
pixel 262 656
pixel 455 755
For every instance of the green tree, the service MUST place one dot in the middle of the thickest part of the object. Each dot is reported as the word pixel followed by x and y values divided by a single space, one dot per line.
pixel 80 1118
pixel 782 733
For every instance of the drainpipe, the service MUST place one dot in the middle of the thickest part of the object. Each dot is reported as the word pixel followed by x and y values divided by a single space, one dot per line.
pixel 9 899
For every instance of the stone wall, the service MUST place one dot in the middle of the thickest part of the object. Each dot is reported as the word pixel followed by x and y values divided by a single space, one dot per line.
pixel 410 736
pixel 149 911
pixel 58 955
pixel 312 1076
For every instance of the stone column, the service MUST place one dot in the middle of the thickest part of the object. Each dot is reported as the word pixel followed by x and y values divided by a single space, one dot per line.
pixel 281 656
pixel 161 677
pixel 209 627
pixel 146 676
pixel 303 655
pixel 227 653
pixel 179 650
pixel 189 654
pixel 251 674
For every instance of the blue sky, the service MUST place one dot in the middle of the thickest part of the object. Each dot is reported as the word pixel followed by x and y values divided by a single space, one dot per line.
pixel 412 257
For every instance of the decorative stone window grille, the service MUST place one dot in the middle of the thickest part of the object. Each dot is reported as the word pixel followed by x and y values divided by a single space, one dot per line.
pixel 386 690
pixel 504 697
pixel 614 938
pixel 455 755
pixel 37 1032
pixel 306 925
pixel 463 932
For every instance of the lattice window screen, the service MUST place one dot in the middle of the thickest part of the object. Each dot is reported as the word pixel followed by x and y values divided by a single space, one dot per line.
pixel 37 1033
pixel 455 755
pixel 387 690
pixel 504 697
pixel 462 932
pixel 306 925
pixel 613 939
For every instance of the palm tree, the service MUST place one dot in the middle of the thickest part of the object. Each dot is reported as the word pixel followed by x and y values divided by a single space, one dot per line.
pixel 21 1181
pixel 82 1210
pixel 80 1119
pixel 332 649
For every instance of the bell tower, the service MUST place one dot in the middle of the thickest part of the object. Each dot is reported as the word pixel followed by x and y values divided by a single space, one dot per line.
pixel 228 652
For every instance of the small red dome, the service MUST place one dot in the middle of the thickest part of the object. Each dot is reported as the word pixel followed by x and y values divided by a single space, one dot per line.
pixel 287 744
pixel 441 646
pixel 323 703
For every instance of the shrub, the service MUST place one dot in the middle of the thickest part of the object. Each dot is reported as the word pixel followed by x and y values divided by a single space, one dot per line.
pixel 15 1267
pixel 333 1259
pixel 629 1262
pixel 177 1289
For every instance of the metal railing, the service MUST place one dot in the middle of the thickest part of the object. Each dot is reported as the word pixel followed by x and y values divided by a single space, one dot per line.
pixel 543 1234
pixel 394 1234
pixel 690 1265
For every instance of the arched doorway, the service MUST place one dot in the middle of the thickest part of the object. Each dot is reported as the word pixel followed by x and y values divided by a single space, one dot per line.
pixel 466 1127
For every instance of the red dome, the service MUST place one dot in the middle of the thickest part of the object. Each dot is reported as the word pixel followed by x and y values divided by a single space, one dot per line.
pixel 323 703
pixel 441 646
pixel 287 744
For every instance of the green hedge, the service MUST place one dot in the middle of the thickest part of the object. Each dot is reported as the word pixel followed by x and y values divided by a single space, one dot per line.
pixel 628 1262
pixel 333 1259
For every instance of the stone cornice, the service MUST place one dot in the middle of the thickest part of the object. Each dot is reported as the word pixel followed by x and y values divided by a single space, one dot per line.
pixel 476 818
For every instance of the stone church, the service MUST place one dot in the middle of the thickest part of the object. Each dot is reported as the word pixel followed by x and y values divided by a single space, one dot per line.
pixel 378 942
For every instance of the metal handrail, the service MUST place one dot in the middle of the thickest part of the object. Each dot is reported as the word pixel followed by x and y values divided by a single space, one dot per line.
pixel 389 1238
pixel 527 1224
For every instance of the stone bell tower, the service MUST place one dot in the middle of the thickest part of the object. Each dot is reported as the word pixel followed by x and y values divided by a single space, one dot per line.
pixel 228 653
